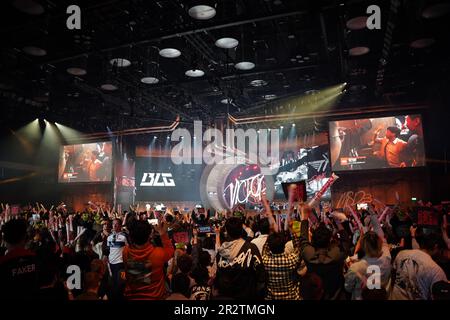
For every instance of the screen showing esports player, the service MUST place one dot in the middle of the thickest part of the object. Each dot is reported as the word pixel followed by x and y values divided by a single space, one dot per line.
pixel 391 147
pixel 105 156
pixel 92 165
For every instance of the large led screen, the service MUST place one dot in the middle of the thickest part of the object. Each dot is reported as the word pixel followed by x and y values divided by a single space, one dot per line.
pixel 91 162
pixel 376 143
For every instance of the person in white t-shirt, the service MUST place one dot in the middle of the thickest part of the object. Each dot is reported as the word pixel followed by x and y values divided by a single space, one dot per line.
pixel 116 242
pixel 415 270
pixel 264 230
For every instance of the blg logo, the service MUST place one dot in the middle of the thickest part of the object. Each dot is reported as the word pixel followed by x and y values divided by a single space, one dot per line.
pixel 374 20
pixel 74 20
pixel 151 179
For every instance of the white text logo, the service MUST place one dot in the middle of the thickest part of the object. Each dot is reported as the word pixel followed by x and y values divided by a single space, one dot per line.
pixel 74 20
pixel 151 179
pixel 374 20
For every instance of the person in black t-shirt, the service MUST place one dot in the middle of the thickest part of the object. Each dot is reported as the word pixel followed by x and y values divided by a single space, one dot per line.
pixel 18 267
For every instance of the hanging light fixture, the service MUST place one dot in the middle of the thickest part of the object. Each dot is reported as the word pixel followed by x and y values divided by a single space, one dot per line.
pixel 109 86
pixel 419 35
pixel 34 51
pixel 151 67
pixel 195 71
pixel 358 51
pixel 109 83
pixel 151 74
pixel 227 43
pixel 245 55
pixel 78 67
pixel 170 53
pixel 357 23
pixel 244 65
pixel 122 58
pixel 120 62
pixel 202 9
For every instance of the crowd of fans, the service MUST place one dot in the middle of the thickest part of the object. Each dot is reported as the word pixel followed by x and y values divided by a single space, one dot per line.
pixel 314 254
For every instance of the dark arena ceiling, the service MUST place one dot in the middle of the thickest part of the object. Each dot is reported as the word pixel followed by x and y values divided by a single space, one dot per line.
pixel 297 47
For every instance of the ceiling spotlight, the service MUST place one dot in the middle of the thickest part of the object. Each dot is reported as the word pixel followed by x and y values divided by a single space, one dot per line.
pixel 358 51
pixel 34 51
pixel 227 43
pixel 168 137
pixel 281 127
pixel 202 12
pixel 170 53
pixel 195 73
pixel 75 71
pixel 293 124
pixel 149 80
pixel 154 137
pixel 258 83
pixel 421 43
pixel 244 65
pixel 120 62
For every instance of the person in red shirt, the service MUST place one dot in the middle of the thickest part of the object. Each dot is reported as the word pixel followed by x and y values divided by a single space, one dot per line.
pixel 144 262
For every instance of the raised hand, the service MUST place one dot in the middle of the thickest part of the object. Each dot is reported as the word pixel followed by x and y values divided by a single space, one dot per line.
pixel 161 227
pixel 305 212
pixel 412 231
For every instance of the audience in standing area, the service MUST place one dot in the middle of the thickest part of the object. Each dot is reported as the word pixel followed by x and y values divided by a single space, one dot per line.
pixel 306 253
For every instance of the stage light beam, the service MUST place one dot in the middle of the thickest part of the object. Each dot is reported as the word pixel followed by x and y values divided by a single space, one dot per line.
pixel 68 133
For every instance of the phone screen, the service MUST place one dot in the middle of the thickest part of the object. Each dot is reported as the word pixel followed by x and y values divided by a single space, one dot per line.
pixel 362 206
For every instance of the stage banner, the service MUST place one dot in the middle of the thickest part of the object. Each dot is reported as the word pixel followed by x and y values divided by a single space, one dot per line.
pixel 427 217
